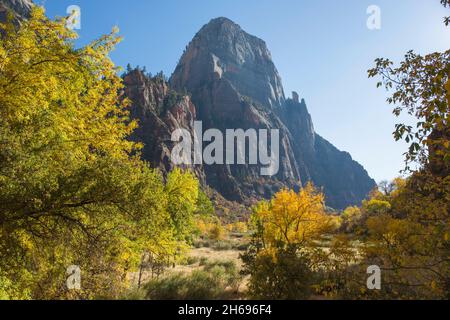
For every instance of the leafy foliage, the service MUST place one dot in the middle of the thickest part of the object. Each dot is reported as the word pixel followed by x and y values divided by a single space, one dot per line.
pixel 419 85
pixel 291 218
pixel 409 238
pixel 282 274
pixel 284 231
pixel 410 241
pixel 73 190
pixel 446 3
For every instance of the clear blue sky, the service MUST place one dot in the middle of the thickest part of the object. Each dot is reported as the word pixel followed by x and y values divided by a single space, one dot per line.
pixel 322 49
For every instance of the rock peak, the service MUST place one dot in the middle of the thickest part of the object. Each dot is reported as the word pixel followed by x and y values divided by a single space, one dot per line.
pixel 220 25
pixel 222 20
pixel 223 49
pixel 220 28
pixel 234 83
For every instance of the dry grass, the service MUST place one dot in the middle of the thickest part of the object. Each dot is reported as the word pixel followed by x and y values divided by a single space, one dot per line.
pixel 197 258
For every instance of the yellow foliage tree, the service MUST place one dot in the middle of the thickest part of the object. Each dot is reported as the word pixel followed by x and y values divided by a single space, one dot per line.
pixel 73 190
pixel 285 230
pixel 409 240
pixel 292 218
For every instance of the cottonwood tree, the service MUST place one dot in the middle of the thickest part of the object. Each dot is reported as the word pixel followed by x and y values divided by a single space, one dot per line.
pixel 73 190
pixel 284 231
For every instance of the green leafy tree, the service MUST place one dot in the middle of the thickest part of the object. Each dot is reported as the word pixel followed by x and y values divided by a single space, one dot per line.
pixel 204 205
pixel 73 190
pixel 283 274
pixel 419 85
pixel 182 190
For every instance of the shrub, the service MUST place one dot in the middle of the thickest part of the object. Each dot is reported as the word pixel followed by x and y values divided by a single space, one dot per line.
pixel 169 288
pixel 240 227
pixel 243 246
pixel 189 261
pixel 216 232
pixel 279 275
pixel 212 283
pixel 210 228
pixel 228 265
pixel 203 261
pixel 222 246
pixel 135 294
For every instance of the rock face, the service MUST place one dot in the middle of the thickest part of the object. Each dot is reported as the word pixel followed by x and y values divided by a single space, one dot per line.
pixel 221 50
pixel 20 9
pixel 159 111
pixel 234 84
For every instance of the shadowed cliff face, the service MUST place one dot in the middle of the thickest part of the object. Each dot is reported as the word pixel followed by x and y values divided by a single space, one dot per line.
pixel 20 9
pixel 159 111
pixel 235 84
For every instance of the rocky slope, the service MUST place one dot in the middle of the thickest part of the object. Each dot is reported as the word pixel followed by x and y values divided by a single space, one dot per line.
pixel 159 110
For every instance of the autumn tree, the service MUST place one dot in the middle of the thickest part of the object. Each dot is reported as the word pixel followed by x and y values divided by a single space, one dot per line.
pixel 420 87
pixel 182 190
pixel 73 190
pixel 284 229
pixel 410 240
pixel 291 218
pixel 350 219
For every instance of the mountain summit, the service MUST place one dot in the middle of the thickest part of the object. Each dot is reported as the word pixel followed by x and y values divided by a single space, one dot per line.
pixel 235 84
pixel 241 59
